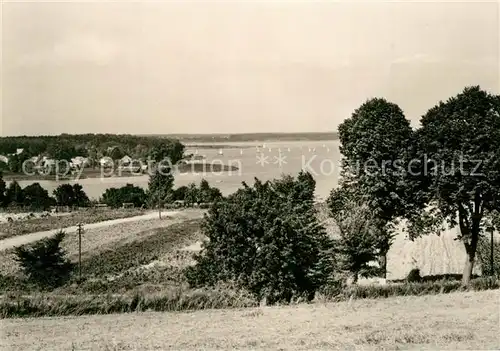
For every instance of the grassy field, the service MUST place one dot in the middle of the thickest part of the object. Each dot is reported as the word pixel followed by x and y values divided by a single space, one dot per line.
pixel 88 216
pixel 454 321
pixel 102 242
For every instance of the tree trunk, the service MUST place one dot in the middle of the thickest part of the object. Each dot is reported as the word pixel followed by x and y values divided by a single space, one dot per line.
pixel 355 278
pixel 383 249
pixel 468 267
pixel 382 261
pixel 470 249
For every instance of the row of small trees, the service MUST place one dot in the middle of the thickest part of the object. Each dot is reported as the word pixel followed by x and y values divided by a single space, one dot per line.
pixel 35 197
pixel 189 195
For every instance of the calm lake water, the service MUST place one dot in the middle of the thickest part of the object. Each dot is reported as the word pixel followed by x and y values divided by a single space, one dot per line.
pixel 320 158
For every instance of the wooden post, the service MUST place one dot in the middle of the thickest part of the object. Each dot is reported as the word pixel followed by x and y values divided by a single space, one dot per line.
pixel 159 207
pixel 80 230
pixel 492 272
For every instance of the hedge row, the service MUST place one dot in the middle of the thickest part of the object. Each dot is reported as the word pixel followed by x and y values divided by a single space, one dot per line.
pixel 183 300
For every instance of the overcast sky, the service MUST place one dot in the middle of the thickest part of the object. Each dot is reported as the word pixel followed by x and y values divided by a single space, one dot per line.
pixel 221 67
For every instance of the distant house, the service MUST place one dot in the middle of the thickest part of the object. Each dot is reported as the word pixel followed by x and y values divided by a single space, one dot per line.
pixel 106 162
pixel 35 159
pixel 19 151
pixel 46 164
pixel 79 162
pixel 126 160
pixel 48 161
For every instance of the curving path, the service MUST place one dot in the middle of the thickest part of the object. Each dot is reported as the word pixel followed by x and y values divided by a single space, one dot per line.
pixel 9 243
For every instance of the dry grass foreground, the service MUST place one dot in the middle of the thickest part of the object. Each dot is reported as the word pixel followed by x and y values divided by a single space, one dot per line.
pixel 454 321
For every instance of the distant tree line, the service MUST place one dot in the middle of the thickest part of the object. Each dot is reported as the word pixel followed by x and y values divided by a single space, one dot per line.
pixel 35 198
pixel 92 146
pixel 188 195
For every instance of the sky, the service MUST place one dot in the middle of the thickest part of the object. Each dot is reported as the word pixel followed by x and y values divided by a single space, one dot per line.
pixel 160 67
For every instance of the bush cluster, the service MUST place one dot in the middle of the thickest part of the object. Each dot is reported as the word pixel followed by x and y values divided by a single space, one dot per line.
pixel 116 197
pixel 192 194
pixel 33 197
pixel 44 262
pixel 484 256
pixel 267 240
pixel 71 195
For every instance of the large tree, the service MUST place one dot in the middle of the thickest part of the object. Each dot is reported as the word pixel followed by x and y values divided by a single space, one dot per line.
pixel 459 142
pixel 71 195
pixel 374 145
pixel 36 197
pixel 3 188
pixel 14 195
pixel 161 180
pixel 357 243
pixel 267 239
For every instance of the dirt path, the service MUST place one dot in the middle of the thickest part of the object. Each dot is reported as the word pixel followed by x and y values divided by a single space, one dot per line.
pixel 28 238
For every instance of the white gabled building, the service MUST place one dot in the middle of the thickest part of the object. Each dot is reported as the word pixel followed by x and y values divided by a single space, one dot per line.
pixel 106 162
pixel 125 160
pixel 79 162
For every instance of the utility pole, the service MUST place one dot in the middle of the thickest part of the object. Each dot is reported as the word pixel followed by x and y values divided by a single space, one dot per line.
pixel 492 272
pixel 80 231
pixel 159 206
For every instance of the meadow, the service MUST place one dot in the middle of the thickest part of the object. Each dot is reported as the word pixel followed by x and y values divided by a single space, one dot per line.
pixel 85 216
pixel 457 321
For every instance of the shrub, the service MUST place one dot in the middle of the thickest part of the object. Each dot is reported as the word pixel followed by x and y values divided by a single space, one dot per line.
pixel 408 289
pixel 414 276
pixel 484 255
pixel 14 194
pixel 173 299
pixel 36 197
pixel 267 240
pixel 191 194
pixel 3 188
pixel 68 195
pixel 116 197
pixel 359 235
pixel 44 262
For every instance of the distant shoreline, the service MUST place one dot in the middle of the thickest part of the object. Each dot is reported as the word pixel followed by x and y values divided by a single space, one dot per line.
pixel 96 173
pixel 248 137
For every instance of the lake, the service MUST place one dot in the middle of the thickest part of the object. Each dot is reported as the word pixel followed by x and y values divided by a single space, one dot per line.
pixel 320 158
